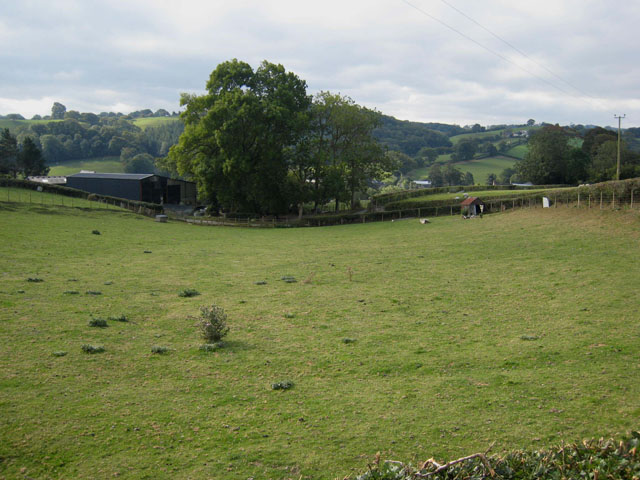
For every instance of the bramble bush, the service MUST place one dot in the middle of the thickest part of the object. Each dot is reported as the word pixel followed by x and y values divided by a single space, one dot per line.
pixel 212 323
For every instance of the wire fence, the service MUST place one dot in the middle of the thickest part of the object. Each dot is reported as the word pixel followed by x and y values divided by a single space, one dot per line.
pixel 573 198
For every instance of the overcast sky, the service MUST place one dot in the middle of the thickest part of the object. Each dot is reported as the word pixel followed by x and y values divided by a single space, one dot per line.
pixel 581 61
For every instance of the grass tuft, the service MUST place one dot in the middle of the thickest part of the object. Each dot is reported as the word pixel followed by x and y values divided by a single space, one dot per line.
pixel 96 232
pixel 119 318
pixel 59 354
pixel 34 280
pixel 159 350
pixel 92 348
pixel 211 347
pixel 283 385
pixel 98 322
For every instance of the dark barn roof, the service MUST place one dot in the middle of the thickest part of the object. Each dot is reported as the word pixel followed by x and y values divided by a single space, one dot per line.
pixel 113 176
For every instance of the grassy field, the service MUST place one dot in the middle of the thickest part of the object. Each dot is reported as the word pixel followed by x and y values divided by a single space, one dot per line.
pixel 520 328
pixel 153 121
pixel 99 165
pixel 479 168
pixel 482 194
pixel 518 151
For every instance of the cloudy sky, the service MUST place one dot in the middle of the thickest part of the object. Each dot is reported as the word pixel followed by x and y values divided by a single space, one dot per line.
pixel 453 61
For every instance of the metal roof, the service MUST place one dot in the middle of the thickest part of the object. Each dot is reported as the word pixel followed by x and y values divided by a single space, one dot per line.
pixel 113 176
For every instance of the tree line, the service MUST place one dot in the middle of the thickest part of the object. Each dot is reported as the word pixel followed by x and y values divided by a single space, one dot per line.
pixel 25 159
pixel 554 158
pixel 74 136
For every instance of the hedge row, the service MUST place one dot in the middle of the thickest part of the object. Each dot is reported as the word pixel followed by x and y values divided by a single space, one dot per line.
pixel 384 199
pixel 141 207
pixel 592 459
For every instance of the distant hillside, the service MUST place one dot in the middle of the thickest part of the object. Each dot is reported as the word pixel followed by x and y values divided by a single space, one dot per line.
pixel 409 137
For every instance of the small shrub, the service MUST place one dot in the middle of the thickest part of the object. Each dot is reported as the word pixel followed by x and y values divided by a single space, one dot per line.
pixel 93 292
pixel 284 385
pixel 92 348
pixel 108 282
pixel 188 292
pixel 34 280
pixel 71 292
pixel 348 340
pixel 20 291
pixel 260 282
pixel 288 279
pixel 529 337
pixel 211 347
pixel 289 315
pixel 59 354
pixel 119 318
pixel 147 251
pixel 213 323
pixel 95 232
pixel 159 350
pixel 98 322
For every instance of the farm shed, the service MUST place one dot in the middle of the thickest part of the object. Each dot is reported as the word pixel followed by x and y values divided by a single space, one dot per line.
pixel 144 187
pixel 473 206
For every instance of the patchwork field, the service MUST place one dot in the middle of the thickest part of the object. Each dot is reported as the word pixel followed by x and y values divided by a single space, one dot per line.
pixel 413 340
pixel 98 165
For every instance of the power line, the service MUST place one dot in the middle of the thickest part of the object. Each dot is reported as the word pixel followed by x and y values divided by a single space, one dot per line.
pixel 517 50
pixel 493 52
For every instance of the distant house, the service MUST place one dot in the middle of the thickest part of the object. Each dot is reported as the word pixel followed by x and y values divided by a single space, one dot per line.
pixel 54 180
pixel 473 205
pixel 144 187
pixel 422 183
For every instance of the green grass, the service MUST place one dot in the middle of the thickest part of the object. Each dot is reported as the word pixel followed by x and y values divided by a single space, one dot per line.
pixel 153 121
pixel 482 194
pixel 478 135
pixel 518 151
pixel 437 367
pixel 11 124
pixel 11 195
pixel 99 165
pixel 479 168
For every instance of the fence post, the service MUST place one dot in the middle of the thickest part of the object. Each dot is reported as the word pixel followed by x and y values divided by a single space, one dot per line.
pixel 589 201
pixel 418 211
pixel 452 210
pixel 555 201
pixel 631 199
pixel 436 211
pixel 600 199
pixel 613 200
pixel 578 199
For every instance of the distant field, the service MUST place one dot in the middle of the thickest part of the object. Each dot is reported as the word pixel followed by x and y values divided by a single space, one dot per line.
pixel 99 165
pixel 425 341
pixel 11 124
pixel 153 121
pixel 518 151
pixel 13 195
pixel 464 136
pixel 481 168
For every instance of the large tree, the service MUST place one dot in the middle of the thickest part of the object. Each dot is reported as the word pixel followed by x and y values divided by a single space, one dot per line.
pixel 546 160
pixel 8 153
pixel 30 159
pixel 237 136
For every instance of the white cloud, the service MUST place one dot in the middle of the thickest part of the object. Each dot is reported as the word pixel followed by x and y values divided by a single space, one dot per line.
pixel 384 54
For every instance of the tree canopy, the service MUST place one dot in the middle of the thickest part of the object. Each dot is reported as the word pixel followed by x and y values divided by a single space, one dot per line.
pixel 256 142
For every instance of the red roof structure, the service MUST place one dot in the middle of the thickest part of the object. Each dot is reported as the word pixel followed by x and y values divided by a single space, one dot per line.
pixel 471 201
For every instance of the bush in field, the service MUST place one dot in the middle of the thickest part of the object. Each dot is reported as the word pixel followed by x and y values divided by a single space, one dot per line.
pixel 188 292
pixel 98 322
pixel 212 323
pixel 92 348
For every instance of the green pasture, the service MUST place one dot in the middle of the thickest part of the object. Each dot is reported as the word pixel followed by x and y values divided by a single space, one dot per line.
pixel 477 135
pixel 12 124
pixel 11 195
pixel 153 121
pixel 412 340
pixel 482 194
pixel 480 168
pixel 99 165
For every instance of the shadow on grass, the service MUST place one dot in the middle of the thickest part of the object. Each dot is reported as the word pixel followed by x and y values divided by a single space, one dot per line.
pixel 234 346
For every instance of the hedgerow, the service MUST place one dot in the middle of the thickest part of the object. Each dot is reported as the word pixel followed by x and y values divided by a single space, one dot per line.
pixel 590 459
